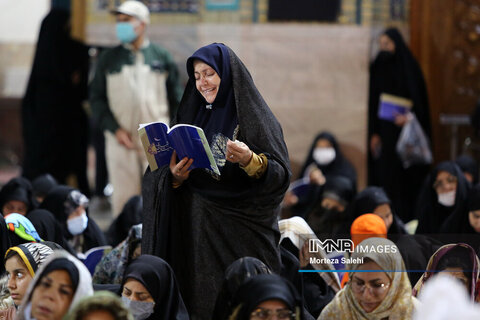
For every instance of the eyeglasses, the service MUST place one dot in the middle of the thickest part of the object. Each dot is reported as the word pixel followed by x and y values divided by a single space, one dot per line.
pixel 441 183
pixel 266 314
pixel 376 289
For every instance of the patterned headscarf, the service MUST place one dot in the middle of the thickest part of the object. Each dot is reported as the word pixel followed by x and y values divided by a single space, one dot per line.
pixel 22 227
pixel 397 304
pixel 437 257
pixel 32 254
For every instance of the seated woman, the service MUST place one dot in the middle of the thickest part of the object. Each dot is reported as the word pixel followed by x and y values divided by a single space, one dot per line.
pixel 375 200
pixel 464 225
pixel 111 267
pixel 130 216
pixel 264 296
pixel 239 272
pixel 457 260
pixel 42 185
pixel 150 290
pixel 382 294
pixel 103 305
pixel 17 197
pixel 59 284
pixel 21 263
pixel 328 217
pixel 201 222
pixel 69 207
pixel 324 160
pixel 469 167
pixel 443 194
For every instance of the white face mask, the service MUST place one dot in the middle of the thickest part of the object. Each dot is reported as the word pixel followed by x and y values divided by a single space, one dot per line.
pixel 140 310
pixel 447 199
pixel 324 156
pixel 78 224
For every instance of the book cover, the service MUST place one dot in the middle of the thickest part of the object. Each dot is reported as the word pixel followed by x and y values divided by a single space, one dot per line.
pixel 300 187
pixel 189 141
pixel 391 105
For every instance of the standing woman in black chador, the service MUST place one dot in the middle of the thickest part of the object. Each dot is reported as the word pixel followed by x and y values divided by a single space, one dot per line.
pixel 54 122
pixel 395 71
pixel 200 222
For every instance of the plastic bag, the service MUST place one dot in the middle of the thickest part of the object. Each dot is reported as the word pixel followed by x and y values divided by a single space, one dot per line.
pixel 412 146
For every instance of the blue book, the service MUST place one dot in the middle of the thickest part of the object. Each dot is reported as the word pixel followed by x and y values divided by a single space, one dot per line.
pixel 391 105
pixel 300 187
pixel 187 140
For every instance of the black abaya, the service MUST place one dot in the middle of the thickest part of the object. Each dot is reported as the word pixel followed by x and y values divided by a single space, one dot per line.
pixel 398 74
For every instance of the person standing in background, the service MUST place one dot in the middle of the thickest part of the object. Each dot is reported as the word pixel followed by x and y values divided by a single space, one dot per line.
pixel 395 71
pixel 54 122
pixel 135 82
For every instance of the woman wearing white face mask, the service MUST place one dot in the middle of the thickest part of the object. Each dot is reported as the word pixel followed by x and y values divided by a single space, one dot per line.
pixel 69 207
pixel 324 160
pixel 443 194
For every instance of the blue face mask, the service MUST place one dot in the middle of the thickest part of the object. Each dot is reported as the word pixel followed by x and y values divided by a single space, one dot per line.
pixel 139 309
pixel 126 32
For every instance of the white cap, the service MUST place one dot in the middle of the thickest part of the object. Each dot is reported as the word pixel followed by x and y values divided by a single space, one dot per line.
pixel 135 9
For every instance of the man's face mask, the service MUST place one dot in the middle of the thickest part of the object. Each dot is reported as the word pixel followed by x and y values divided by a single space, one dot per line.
pixel 126 31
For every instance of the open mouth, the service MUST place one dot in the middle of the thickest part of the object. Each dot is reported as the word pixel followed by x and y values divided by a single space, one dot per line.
pixel 208 90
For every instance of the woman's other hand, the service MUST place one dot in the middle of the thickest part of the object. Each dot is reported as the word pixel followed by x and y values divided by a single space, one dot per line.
pixel 290 199
pixel 238 152
pixel 124 138
pixel 401 120
pixel 317 177
pixel 181 170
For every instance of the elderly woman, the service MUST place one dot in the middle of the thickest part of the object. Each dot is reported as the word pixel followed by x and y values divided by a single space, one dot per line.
pixel 378 287
pixel 200 222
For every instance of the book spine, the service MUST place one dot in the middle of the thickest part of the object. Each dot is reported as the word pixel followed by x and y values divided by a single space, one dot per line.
pixel 146 144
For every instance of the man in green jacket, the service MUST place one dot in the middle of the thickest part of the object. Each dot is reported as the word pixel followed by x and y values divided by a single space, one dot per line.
pixel 135 82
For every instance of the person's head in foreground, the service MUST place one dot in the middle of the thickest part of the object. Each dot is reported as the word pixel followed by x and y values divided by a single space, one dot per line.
pixel 21 263
pixel 103 305
pixel 378 287
pixel 150 290
pixel 266 296
pixel 57 286
pixel 456 260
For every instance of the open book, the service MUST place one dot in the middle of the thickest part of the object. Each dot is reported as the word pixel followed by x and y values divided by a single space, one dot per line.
pixel 391 105
pixel 187 140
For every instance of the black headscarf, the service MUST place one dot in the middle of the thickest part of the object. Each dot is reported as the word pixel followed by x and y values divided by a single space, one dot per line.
pixel 262 288
pixel 19 189
pixel 43 184
pixel 4 241
pixel 458 222
pixel 158 278
pixel 58 203
pixel 468 164
pixel 236 274
pixel 63 264
pixel 222 117
pixel 432 215
pixel 340 166
pixel 131 215
pixel 48 228
pixel 366 202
